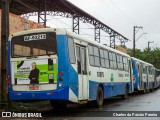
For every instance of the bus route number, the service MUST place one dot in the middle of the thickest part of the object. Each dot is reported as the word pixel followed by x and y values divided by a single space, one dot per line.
pixel 35 37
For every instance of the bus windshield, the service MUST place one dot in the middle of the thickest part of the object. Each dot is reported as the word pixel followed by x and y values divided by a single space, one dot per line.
pixel 34 44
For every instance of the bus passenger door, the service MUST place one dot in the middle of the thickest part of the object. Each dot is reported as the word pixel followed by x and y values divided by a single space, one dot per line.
pixel 82 73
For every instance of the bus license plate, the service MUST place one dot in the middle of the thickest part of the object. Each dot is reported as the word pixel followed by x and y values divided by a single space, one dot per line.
pixel 34 87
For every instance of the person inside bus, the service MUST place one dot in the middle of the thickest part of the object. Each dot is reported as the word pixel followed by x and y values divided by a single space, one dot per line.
pixel 34 74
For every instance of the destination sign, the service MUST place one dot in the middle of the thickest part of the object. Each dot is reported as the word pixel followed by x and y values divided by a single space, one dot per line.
pixel 35 37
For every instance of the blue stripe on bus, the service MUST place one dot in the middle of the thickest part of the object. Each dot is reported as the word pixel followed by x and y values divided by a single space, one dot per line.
pixel 110 89
pixel 135 73
pixel 60 94
pixel 70 77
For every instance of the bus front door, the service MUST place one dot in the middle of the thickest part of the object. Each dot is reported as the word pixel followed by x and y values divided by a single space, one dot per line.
pixel 82 73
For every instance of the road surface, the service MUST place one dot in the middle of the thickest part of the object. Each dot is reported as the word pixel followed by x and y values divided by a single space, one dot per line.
pixel 135 102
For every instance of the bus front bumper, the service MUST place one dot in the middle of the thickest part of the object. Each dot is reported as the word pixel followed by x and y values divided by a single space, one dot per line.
pixel 58 94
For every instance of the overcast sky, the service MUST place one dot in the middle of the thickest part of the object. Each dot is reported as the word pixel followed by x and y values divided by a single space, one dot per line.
pixel 122 15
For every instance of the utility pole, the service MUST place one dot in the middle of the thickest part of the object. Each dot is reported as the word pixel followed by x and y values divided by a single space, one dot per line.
pixel 3 49
pixel 149 50
pixel 135 30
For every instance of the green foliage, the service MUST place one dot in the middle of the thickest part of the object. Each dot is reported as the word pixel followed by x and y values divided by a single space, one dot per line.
pixel 150 56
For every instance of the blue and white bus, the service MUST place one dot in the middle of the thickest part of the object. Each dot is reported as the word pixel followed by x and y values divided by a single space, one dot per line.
pixel 56 65
pixel 157 79
pixel 143 74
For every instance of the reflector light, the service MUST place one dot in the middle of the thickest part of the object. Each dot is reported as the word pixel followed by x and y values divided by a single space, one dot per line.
pixel 60 79
pixel 60 73
pixel 8 76
pixel 50 93
pixel 9 81
pixel 16 94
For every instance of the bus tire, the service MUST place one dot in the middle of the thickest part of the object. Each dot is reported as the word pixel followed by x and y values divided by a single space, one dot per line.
pixel 151 90
pixel 58 104
pixel 125 96
pixel 144 90
pixel 99 98
pixel 152 87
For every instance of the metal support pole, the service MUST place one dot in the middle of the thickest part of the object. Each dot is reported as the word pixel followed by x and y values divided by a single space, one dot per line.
pixel 45 16
pixel 3 53
pixel 97 34
pixel 75 28
pixel 42 17
pixel 112 41
pixel 122 43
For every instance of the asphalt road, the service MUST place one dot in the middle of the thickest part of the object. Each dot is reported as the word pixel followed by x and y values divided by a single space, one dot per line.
pixel 136 103
pixel 113 109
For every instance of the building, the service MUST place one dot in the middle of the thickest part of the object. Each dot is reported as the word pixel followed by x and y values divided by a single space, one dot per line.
pixel 18 23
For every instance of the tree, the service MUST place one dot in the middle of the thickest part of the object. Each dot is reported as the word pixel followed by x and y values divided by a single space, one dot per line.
pixel 148 55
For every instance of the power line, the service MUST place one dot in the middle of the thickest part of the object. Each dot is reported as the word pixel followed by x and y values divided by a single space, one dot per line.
pixel 145 35
pixel 123 12
pixel 60 21
pixel 130 21
pixel 69 25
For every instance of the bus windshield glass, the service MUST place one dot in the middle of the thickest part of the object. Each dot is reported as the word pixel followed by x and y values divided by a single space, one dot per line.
pixel 34 44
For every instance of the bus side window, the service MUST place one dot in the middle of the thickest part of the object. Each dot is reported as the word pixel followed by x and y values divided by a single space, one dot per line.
pixel 146 69
pixel 111 60
pixel 91 55
pixel 96 56
pixel 71 50
pixel 107 63
pixel 114 61
pixel 121 62
pixel 102 58
pixel 125 63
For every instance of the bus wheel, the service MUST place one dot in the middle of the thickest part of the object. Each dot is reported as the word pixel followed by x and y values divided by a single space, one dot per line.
pixel 125 96
pixel 151 90
pixel 144 90
pixel 58 104
pixel 100 97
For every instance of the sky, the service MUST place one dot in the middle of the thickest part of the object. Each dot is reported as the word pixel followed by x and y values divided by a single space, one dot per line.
pixel 121 15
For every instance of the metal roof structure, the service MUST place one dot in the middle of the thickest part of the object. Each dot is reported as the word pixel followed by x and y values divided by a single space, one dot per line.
pixel 64 8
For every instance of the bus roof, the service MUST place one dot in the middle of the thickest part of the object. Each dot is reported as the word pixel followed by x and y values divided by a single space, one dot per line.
pixel 141 61
pixel 65 32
